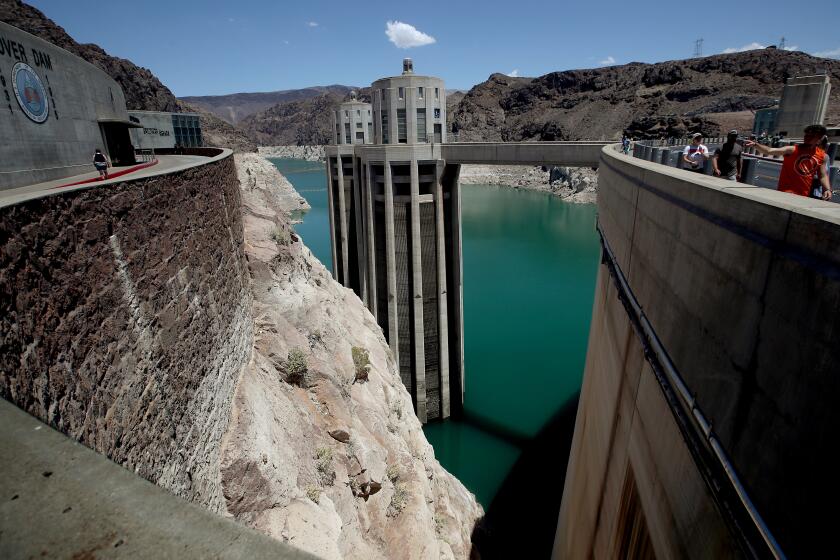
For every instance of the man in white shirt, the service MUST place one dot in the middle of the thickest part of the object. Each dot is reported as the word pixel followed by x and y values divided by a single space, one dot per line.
pixel 695 154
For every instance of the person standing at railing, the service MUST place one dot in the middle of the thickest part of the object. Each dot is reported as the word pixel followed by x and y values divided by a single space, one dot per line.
pixel 695 154
pixel 726 161
pixel 801 163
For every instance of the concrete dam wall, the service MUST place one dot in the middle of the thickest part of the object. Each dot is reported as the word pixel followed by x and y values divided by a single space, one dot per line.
pixel 125 320
pixel 741 286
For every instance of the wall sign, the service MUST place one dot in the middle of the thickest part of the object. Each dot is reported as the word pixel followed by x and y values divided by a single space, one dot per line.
pixel 30 92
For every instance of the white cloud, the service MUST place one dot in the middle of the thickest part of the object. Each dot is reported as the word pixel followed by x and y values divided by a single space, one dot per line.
pixel 834 53
pixel 312 24
pixel 514 73
pixel 607 61
pixel 406 36
pixel 754 46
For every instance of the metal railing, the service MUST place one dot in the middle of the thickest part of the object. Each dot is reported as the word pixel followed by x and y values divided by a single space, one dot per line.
pixel 756 170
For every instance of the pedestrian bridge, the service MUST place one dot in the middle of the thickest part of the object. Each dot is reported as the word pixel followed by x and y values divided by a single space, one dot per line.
pixel 709 396
pixel 571 154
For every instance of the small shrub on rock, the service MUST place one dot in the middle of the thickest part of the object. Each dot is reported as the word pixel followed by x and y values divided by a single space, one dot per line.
pixel 297 366
pixel 393 473
pixel 361 359
pixel 313 493
pixel 281 236
pixel 323 463
pixel 398 501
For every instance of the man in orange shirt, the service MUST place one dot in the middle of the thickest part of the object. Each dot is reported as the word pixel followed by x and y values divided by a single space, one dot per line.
pixel 801 163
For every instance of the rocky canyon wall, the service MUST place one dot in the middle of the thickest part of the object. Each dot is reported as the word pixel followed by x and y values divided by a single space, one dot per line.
pixel 125 320
pixel 333 459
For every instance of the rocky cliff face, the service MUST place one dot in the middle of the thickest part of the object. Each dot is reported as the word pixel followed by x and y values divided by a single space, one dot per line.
pixel 324 450
pixel 647 100
pixel 142 89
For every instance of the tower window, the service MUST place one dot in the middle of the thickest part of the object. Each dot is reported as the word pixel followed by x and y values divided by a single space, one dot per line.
pixel 419 93
pixel 402 93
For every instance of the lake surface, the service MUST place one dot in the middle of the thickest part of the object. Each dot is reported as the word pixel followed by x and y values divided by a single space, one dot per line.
pixel 530 262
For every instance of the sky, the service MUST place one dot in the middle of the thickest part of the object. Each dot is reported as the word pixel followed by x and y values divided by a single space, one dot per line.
pixel 215 47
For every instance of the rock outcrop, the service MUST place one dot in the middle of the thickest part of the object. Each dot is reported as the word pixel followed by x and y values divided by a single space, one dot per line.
pixel 328 460
pixel 650 99
pixel 309 153
pixel 572 184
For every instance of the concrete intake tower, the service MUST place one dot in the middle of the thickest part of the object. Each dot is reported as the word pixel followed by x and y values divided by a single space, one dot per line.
pixel 395 231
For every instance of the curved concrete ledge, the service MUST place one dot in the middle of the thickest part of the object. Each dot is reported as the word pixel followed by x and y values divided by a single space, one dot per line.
pixel 742 286
pixel 62 500
pixel 167 166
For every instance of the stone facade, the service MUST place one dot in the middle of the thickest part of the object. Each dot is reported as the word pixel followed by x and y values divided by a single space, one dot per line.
pixel 125 320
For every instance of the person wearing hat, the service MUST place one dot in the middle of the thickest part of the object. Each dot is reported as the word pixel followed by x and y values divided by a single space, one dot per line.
pixel 801 163
pixel 726 161
pixel 695 154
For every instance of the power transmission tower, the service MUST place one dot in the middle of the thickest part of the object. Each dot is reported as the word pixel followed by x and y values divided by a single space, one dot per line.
pixel 698 48
pixel 782 44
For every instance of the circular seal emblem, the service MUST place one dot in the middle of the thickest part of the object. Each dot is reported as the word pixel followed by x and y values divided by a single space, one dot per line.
pixel 30 92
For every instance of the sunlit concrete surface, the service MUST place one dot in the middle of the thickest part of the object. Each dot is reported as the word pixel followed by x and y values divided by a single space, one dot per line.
pixel 59 499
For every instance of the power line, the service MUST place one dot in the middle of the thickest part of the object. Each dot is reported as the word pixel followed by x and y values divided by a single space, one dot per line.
pixel 782 44
pixel 698 48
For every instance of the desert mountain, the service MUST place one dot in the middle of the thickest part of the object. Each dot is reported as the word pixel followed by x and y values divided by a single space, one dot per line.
pixel 142 89
pixel 666 98
pixel 234 107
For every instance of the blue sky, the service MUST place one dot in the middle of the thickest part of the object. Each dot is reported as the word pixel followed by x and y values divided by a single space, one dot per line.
pixel 215 47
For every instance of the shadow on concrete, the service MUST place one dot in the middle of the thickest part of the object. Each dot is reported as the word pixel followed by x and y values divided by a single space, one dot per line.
pixel 522 519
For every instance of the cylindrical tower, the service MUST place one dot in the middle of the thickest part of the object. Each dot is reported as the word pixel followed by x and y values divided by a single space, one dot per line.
pixel 353 122
pixel 409 109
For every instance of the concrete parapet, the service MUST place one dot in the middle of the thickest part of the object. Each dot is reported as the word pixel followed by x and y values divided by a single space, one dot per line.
pixel 742 286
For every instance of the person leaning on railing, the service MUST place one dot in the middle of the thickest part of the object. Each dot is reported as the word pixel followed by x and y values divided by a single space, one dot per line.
pixel 801 163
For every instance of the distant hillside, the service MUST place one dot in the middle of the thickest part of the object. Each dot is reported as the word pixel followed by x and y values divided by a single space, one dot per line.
pixel 304 122
pixel 236 106
pixel 667 98
pixel 142 89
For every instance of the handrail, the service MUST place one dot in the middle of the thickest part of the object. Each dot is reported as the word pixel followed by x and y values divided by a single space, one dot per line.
pixel 717 471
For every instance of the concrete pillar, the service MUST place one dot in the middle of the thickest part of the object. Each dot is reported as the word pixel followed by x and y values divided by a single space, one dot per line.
pixel 371 240
pixel 411 115
pixel 358 215
pixel 333 232
pixel 393 98
pixel 417 294
pixel 443 319
pixel 391 263
pixel 342 224
pixel 458 273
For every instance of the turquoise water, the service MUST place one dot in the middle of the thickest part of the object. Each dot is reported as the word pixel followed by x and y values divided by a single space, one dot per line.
pixel 529 278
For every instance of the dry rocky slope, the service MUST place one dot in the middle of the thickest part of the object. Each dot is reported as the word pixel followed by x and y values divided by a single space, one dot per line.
pixel 143 91
pixel 332 460
pixel 234 107
pixel 647 100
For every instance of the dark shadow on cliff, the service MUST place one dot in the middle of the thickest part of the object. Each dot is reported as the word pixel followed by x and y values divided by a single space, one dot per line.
pixel 522 519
